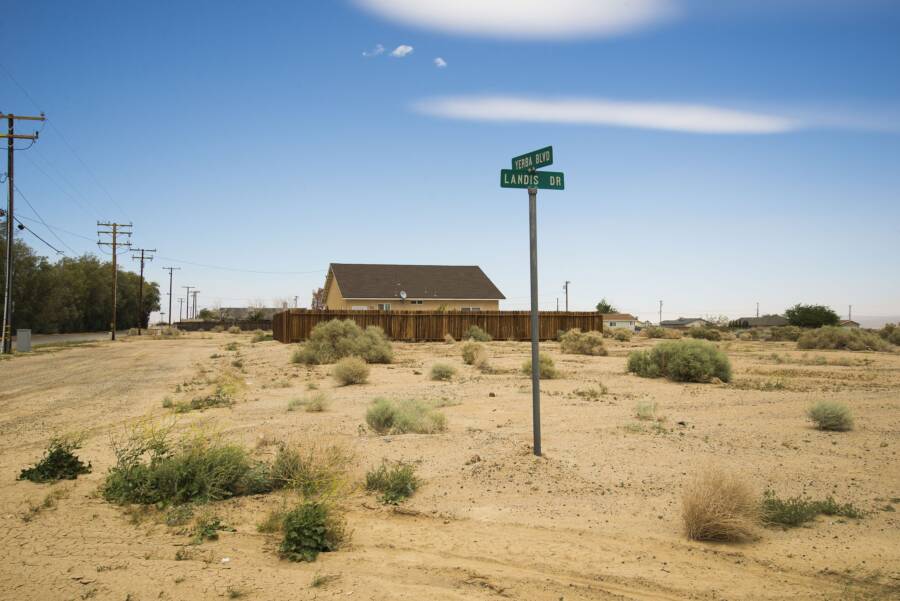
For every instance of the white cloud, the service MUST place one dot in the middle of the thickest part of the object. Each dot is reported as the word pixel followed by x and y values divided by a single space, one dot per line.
pixel 401 51
pixel 440 63
pixel 692 118
pixel 377 50
pixel 527 19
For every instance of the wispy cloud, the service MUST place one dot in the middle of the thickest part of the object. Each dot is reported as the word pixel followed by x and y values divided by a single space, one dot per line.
pixel 376 51
pixel 401 51
pixel 440 63
pixel 692 118
pixel 527 19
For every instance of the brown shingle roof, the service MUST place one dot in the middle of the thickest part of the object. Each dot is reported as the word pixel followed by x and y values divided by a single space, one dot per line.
pixel 359 280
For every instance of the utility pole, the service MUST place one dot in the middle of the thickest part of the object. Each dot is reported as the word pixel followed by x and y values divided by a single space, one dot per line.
pixel 180 306
pixel 195 293
pixel 850 312
pixel 296 302
pixel 566 288
pixel 660 312
pixel 11 136
pixel 757 308
pixel 143 257
pixel 187 301
pixel 123 229
pixel 170 270
pixel 557 304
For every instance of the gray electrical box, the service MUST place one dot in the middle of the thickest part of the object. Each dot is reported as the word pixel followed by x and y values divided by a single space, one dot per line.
pixel 23 341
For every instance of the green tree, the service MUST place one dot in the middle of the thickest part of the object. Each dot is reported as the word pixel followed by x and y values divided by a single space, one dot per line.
pixel 811 316
pixel 604 306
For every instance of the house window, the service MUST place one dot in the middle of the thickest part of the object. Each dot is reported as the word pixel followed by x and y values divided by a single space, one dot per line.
pixel 612 324
pixel 470 309
pixel 384 306
pixel 415 302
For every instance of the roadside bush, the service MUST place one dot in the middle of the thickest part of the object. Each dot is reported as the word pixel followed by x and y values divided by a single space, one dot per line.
pixel 796 511
pixel 169 332
pixel 313 470
pixel 681 361
pixel 831 415
pixel 582 343
pixel 477 334
pixel 718 506
pixel 546 367
pixel 217 329
pixel 395 483
pixel 234 330
pixel 442 372
pixel 261 336
pixel 333 340
pixel 622 334
pixel 660 332
pixel 705 333
pixel 645 411
pixel 449 339
pixel 471 351
pixel 836 338
pixel 782 333
pixel 58 463
pixel 891 333
pixel 401 417
pixel 311 528
pixel 351 370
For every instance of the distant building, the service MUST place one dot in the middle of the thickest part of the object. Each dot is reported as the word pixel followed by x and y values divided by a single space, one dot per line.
pixel 357 286
pixel 848 323
pixel 685 322
pixel 619 320
pixel 766 321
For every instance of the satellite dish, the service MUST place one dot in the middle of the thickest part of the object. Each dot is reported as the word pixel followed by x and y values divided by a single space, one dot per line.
pixel 403 294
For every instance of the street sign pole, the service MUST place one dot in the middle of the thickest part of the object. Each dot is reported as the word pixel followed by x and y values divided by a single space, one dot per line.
pixel 535 350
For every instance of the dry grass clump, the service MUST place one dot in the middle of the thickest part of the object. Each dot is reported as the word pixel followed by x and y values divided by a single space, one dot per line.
pixel 718 505
pixel 333 340
pixel 449 339
pixel 314 470
pixel 660 332
pixel 442 372
pixel 831 415
pixel 261 336
pixel 645 411
pixel 834 337
pixel 402 417
pixel 705 333
pixel 781 333
pixel 351 370
pixel 546 367
pixel 314 403
pixel 471 351
pixel 582 343
pixel 217 329
pixel 622 334
pixel 681 361
pixel 169 332
pixel 234 330
pixel 477 334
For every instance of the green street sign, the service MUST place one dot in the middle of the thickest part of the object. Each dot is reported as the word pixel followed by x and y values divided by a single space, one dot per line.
pixel 547 180
pixel 534 159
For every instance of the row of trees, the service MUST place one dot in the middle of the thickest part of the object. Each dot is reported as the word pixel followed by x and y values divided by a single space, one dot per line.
pixel 72 295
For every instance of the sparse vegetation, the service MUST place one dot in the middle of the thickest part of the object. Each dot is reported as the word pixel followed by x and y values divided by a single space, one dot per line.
pixel 645 411
pixel 622 334
pixel 313 527
pixel 217 329
pixel 169 332
pixel 58 463
pixel 705 333
pixel 442 372
pixel 314 470
pixel 395 482
pixel 681 361
pixel 891 333
pixel 401 417
pixel 851 339
pixel 314 403
pixel 449 339
pixel 333 340
pixel 477 334
pixel 582 343
pixel 473 353
pixel 261 336
pixel 796 511
pixel 831 415
pixel 546 367
pixel 234 330
pixel 718 506
pixel 351 370
pixel 781 333
pixel 660 332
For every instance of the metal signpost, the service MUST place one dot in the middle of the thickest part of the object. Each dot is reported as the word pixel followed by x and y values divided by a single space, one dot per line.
pixel 523 175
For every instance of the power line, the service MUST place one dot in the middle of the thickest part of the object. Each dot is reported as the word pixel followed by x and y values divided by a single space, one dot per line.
pixel 144 257
pixel 223 268
pixel 22 226
pixel 57 228
pixel 28 202
pixel 85 206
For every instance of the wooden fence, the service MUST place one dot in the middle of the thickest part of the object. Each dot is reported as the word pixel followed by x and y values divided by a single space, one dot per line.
pixel 294 325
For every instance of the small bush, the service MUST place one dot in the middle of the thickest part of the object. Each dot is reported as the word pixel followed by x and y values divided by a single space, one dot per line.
pixel 317 403
pixel 58 463
pixel 169 332
pixel 833 337
pixel 705 333
pixel 660 332
pixel 782 333
pixel 582 343
pixel 313 470
pixel 891 333
pixel 221 397
pixel 395 483
pixel 234 330
pixel 261 336
pixel 351 370
pixel 442 372
pixel 622 334
pixel 477 334
pixel 645 410
pixel 311 528
pixel 831 415
pixel 471 351
pixel 718 506
pixel 796 511
pixel 546 367
pixel 218 329
pixel 449 339
pixel 333 340
pixel 402 417
pixel 232 346
pixel 681 361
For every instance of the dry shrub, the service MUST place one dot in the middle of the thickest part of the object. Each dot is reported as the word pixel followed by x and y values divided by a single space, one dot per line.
pixel 218 329
pixel 781 333
pixel 622 334
pixel 717 505
pixel 582 343
pixel 234 330
pixel 660 332
pixel 448 338
pixel 471 351
pixel 837 338
pixel 831 415
pixel 442 372
pixel 351 370
pixel 402 417
pixel 333 340
pixel 546 367
pixel 705 333
pixel 312 469
pixel 477 334
pixel 891 333
pixel 681 361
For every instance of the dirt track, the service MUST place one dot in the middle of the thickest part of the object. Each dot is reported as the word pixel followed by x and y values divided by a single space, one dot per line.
pixel 597 518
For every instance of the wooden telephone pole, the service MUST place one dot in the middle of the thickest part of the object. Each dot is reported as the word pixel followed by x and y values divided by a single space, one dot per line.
pixel 117 229
pixel 143 257
pixel 170 270
pixel 11 136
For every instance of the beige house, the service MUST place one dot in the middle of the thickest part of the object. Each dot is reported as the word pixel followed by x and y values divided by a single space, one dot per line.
pixel 373 287
pixel 619 320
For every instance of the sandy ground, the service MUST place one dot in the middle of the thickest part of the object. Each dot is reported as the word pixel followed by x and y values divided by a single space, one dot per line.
pixel 598 517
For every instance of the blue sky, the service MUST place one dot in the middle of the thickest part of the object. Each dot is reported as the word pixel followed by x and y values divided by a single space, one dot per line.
pixel 716 153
